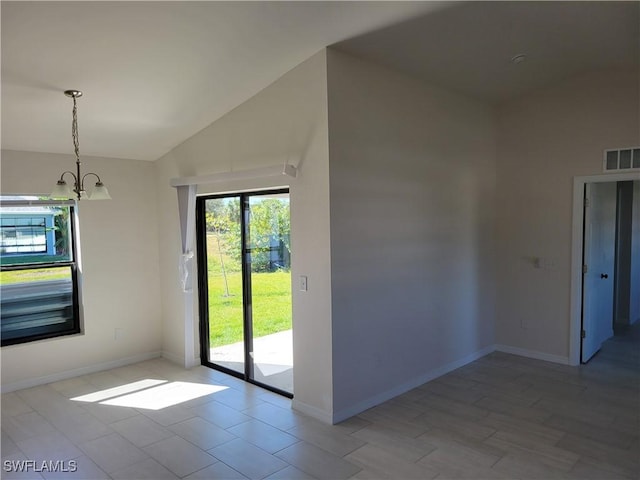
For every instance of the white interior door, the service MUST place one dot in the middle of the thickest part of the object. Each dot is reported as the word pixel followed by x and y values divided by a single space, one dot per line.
pixel 599 255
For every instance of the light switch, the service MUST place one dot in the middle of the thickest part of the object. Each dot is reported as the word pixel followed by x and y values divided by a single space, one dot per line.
pixel 303 283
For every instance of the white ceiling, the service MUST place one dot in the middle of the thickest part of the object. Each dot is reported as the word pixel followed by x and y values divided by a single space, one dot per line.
pixel 155 73
pixel 468 47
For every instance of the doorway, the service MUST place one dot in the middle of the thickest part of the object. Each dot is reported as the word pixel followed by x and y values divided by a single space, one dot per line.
pixel 607 251
pixel 244 278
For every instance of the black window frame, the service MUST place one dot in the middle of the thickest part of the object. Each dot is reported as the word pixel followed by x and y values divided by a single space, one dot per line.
pixel 50 331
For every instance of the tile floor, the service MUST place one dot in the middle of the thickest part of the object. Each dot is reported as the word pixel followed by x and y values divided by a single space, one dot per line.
pixel 502 417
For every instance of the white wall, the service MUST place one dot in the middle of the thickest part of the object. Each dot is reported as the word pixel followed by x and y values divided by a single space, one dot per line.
pixel 545 139
pixel 172 301
pixel 286 122
pixel 412 172
pixel 634 307
pixel 119 248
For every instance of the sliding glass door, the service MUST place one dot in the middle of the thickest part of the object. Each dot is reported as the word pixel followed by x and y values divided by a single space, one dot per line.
pixel 244 265
pixel 269 269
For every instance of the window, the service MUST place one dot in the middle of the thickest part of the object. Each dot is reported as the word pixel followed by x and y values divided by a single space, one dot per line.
pixel 38 270
pixel 622 159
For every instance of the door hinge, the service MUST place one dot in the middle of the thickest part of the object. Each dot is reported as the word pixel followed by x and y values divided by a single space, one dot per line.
pixel 587 202
pixel 585 268
pixel 583 334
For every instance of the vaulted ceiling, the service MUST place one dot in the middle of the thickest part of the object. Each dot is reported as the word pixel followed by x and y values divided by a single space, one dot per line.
pixel 470 47
pixel 155 73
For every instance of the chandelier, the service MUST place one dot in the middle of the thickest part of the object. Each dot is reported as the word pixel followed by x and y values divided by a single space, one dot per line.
pixel 62 189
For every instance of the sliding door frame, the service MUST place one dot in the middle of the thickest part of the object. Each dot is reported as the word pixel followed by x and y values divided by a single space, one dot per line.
pixel 203 286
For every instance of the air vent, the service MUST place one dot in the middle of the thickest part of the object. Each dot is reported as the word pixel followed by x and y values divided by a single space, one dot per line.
pixel 622 159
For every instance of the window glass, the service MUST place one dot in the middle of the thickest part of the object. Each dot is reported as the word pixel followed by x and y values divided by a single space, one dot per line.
pixel 38 271
pixel 625 158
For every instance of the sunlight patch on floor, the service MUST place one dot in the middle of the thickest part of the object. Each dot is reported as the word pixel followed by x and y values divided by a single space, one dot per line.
pixel 151 394
pixel 117 391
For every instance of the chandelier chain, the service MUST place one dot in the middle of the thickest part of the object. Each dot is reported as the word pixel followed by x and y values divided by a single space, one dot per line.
pixel 74 130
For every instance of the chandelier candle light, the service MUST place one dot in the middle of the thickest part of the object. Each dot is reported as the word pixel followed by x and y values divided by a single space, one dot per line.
pixel 62 190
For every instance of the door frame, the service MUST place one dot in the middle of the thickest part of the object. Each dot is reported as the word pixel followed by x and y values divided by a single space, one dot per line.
pixel 203 293
pixel 575 314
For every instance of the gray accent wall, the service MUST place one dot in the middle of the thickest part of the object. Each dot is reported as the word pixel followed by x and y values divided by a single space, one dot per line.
pixel 412 182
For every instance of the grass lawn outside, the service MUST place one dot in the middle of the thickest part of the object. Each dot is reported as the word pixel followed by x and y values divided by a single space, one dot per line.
pixel 35 275
pixel 271 299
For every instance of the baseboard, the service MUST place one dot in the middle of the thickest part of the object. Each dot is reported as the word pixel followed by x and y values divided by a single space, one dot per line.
pixel 312 411
pixel 179 360
pixel 523 352
pixel 173 358
pixel 360 407
pixel 76 372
